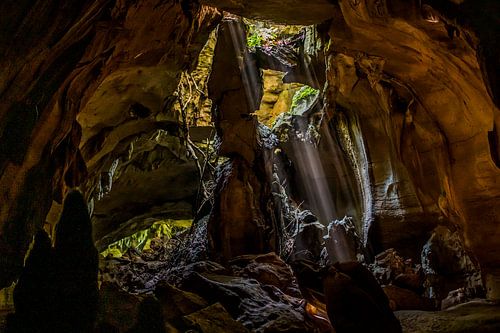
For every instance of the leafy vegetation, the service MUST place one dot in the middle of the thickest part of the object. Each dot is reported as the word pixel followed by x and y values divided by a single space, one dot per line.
pixel 302 94
pixel 254 40
pixel 141 239
pixel 262 34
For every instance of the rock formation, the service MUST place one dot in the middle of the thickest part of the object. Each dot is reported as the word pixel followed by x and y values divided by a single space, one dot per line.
pixel 242 220
pixel 381 114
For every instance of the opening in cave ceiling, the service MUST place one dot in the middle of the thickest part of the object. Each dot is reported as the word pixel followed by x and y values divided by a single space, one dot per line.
pixel 241 175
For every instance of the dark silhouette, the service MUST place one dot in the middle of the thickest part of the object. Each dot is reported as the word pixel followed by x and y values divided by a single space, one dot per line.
pixel 105 327
pixel 150 318
pixel 354 300
pixel 75 268
pixel 33 294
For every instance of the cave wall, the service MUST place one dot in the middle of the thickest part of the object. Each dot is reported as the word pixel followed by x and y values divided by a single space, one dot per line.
pixel 56 57
pixel 413 96
pixel 425 113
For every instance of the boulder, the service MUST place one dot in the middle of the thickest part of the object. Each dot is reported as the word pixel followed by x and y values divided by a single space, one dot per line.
pixel 390 268
pixel 214 319
pixel 176 303
pixel 355 302
pixel 447 266
pixel 342 241
pixel 308 242
pixel 249 291
pixel 405 299
pixel 268 269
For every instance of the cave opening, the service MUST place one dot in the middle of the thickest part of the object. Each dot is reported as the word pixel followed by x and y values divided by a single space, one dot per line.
pixel 256 167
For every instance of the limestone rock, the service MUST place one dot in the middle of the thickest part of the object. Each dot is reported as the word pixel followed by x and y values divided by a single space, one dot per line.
pixel 258 304
pixel 268 269
pixel 109 62
pixel 241 222
pixel 117 307
pixel 351 291
pixel 315 11
pixel 454 297
pixel 136 199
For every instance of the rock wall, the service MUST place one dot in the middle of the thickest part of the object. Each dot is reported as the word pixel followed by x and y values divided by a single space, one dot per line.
pixel 412 96
pixel 424 112
pixel 242 220
pixel 113 62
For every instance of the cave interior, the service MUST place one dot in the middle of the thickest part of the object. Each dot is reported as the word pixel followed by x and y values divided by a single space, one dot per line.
pixel 250 166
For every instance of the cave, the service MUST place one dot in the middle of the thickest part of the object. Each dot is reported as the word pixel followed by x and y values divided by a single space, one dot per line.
pixel 249 166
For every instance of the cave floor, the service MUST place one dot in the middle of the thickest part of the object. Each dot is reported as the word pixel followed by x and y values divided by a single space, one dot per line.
pixel 472 317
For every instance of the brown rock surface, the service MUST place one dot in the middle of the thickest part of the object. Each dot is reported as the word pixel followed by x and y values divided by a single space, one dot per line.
pixel 242 220
pixel 311 12
pixel 177 303
pixel 77 53
pixel 404 299
pixel 214 319
pixel 423 110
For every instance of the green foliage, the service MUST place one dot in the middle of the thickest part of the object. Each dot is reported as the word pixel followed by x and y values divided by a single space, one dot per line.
pixel 254 40
pixel 141 239
pixel 303 93
pixel 259 34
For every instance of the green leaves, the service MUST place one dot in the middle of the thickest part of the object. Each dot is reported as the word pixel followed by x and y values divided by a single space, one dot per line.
pixel 254 40
pixel 141 239
pixel 302 94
